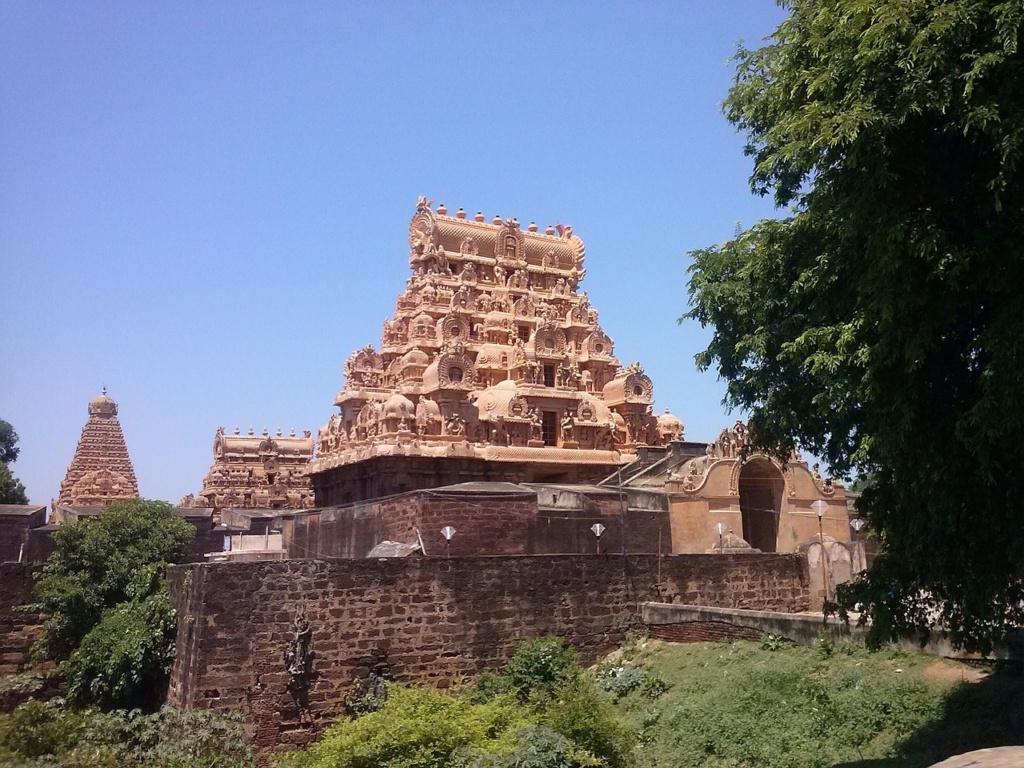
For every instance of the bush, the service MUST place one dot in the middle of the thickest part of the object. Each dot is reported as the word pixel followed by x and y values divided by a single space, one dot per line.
pixel 46 735
pixel 415 728
pixel 536 668
pixel 536 746
pixel 109 622
pixel 98 562
pixel 622 681
pixel 123 661
pixel 580 713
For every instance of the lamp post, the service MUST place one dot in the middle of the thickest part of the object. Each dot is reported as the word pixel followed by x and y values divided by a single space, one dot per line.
pixel 819 507
pixel 598 529
pixel 857 524
pixel 721 543
pixel 447 532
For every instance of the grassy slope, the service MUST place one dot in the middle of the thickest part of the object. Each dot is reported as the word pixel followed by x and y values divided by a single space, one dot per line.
pixel 739 705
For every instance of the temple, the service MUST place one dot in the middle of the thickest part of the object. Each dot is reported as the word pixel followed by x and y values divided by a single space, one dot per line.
pixel 100 471
pixel 493 367
pixel 257 472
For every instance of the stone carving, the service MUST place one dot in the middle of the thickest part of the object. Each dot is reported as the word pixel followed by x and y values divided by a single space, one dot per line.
pixel 263 472
pixel 489 327
pixel 298 662
pixel 100 471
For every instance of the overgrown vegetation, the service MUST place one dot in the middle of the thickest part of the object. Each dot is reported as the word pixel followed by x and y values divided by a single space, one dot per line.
pixel 540 710
pixel 777 705
pixel 47 735
pixel 109 622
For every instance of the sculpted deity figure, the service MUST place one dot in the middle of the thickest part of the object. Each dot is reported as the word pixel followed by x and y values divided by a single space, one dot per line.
pixel 536 428
pixel 568 429
pixel 499 274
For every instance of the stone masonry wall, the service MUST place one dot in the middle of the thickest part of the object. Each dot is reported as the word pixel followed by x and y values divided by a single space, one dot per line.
pixel 18 630
pixel 424 620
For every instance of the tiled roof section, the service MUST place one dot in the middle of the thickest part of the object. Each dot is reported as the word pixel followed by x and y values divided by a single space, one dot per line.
pixel 100 471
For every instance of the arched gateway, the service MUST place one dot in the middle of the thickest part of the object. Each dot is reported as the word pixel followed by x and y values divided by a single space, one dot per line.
pixel 760 487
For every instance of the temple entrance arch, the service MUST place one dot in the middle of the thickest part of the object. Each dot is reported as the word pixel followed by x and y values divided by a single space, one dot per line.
pixel 760 486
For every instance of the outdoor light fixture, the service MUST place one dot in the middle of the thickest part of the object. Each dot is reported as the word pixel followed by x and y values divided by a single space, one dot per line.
pixel 721 543
pixel 856 524
pixel 819 507
pixel 447 532
pixel 598 529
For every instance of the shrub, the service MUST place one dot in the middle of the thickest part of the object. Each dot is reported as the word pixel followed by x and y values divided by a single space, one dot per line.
pixel 536 746
pixel 580 713
pixel 123 661
pixel 45 735
pixel 415 728
pixel 622 681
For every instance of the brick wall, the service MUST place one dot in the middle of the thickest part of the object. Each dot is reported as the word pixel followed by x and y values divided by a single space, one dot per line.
pixel 18 630
pixel 426 620
pixel 486 523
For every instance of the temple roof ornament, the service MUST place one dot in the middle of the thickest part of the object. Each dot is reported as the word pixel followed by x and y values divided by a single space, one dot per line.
pixel 257 471
pixel 100 471
pixel 492 345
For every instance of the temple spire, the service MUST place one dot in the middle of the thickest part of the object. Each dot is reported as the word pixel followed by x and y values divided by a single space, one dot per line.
pixel 100 471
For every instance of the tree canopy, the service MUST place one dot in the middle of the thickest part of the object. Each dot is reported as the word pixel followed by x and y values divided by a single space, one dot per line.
pixel 109 621
pixel 11 489
pixel 880 323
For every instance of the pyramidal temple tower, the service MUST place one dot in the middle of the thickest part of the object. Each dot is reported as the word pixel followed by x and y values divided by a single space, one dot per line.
pixel 100 471
pixel 493 367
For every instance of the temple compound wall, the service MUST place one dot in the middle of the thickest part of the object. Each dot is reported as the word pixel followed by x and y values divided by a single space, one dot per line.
pixel 285 641
pixel 489 519
pixel 18 629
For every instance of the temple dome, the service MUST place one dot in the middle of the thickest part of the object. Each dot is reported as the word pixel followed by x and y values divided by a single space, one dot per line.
pixel 494 401
pixel 415 357
pixel 398 407
pixel 669 426
pixel 494 356
pixel 102 405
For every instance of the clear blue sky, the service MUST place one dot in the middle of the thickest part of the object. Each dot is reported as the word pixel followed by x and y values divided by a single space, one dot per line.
pixel 204 206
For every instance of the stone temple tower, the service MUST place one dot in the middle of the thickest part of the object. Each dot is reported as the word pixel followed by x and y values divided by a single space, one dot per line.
pixel 100 471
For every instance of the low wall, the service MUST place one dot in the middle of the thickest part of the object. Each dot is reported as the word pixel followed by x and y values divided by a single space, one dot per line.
pixel 423 620
pixel 18 630
pixel 501 519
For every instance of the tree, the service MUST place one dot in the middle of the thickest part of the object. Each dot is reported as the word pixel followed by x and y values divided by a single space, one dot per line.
pixel 11 489
pixel 109 622
pixel 880 324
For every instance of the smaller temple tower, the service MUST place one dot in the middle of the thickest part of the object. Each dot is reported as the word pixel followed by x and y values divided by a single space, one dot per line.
pixel 100 472
pixel 257 472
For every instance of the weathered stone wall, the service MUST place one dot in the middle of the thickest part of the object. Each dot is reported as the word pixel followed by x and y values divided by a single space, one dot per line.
pixel 425 620
pixel 702 632
pixel 16 525
pixel 382 476
pixel 486 523
pixel 18 630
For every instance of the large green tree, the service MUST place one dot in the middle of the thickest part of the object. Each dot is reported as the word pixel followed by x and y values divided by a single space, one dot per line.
pixel 11 489
pixel 880 322
pixel 109 622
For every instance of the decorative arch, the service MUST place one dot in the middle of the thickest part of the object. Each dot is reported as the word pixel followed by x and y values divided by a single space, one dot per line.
pixel 760 484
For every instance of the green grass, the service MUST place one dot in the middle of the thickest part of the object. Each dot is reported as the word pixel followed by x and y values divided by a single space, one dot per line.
pixel 739 705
